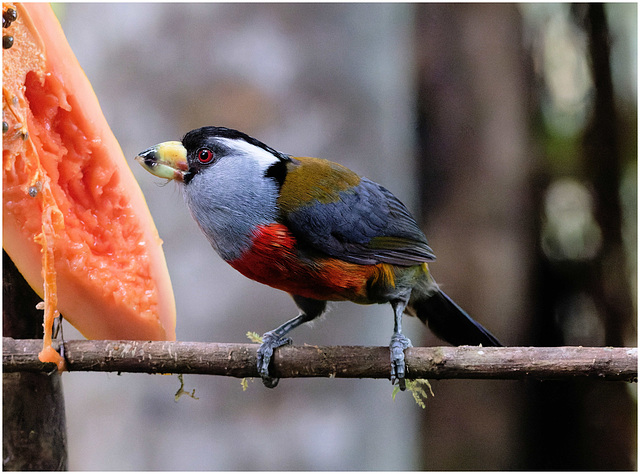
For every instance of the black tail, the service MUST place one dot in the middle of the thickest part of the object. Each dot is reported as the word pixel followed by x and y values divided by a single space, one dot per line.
pixel 449 322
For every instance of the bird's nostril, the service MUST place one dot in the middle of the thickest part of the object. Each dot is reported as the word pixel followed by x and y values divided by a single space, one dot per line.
pixel 150 161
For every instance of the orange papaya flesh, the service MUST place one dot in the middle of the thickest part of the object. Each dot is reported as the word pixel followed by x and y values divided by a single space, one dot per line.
pixel 75 221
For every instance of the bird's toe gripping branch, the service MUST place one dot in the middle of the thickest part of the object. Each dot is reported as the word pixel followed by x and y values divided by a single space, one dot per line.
pixel 399 342
pixel 270 341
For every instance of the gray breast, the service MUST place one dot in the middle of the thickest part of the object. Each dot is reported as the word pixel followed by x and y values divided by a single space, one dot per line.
pixel 228 201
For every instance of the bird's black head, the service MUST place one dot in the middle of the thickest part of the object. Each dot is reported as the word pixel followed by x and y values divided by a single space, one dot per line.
pixel 206 145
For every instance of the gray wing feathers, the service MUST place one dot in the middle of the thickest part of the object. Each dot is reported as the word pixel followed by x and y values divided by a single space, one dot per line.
pixel 368 225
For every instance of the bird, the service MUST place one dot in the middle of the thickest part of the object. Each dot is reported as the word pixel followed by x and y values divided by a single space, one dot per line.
pixel 314 229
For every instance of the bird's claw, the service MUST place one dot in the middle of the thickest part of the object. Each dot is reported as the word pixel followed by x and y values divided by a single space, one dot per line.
pixel 399 342
pixel 270 342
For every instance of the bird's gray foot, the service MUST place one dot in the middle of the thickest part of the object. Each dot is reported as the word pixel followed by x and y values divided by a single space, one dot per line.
pixel 399 342
pixel 270 341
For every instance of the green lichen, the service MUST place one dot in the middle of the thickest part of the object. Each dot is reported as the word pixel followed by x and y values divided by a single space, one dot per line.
pixel 254 337
pixel 417 390
pixel 257 338
pixel 181 391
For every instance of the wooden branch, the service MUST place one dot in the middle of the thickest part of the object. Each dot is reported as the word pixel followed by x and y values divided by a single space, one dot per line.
pixel 239 360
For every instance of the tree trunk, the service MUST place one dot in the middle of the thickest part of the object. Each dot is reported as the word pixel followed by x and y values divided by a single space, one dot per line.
pixel 476 166
pixel 33 423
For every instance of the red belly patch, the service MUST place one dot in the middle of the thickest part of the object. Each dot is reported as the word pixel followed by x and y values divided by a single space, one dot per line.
pixel 275 260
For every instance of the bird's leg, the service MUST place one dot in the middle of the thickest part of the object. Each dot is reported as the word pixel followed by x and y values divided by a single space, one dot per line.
pixel 270 341
pixel 309 309
pixel 399 342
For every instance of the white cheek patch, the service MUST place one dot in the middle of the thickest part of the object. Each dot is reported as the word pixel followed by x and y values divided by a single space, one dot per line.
pixel 262 156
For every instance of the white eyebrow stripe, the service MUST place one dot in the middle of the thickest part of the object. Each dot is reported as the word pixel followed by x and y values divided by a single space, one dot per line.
pixel 263 157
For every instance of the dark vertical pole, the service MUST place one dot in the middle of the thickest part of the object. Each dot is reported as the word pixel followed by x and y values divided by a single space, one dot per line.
pixel 603 166
pixel 33 419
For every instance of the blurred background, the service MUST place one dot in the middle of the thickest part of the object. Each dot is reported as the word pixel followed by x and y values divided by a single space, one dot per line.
pixel 511 133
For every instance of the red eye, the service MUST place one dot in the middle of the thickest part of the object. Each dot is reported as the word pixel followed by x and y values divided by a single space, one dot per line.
pixel 205 156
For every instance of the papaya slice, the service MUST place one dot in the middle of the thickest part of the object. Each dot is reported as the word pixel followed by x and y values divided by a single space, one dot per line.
pixel 75 221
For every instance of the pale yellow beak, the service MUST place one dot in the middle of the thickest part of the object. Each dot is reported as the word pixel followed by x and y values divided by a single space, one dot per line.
pixel 166 160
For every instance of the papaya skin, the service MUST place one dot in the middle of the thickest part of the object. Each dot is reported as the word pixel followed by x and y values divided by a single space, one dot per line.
pixel 75 221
